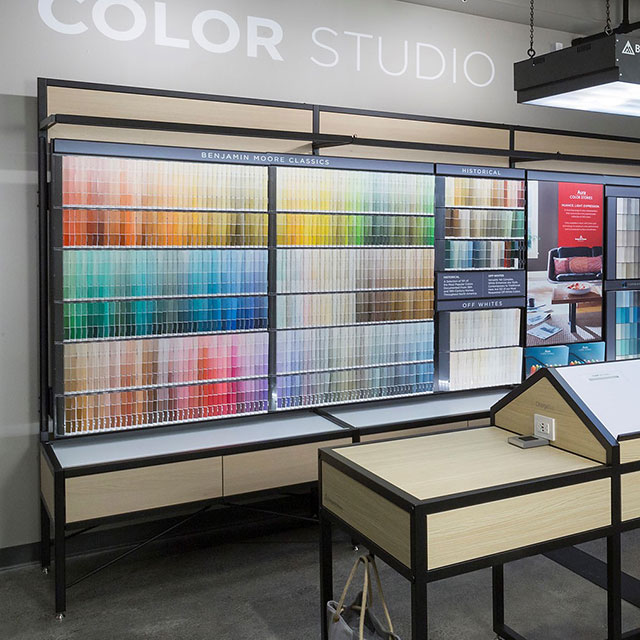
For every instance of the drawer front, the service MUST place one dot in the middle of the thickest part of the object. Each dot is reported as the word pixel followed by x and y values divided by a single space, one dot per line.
pixel 259 470
pixel 631 495
pixel 368 512
pixel 386 435
pixel 118 492
pixel 630 450
pixel 493 527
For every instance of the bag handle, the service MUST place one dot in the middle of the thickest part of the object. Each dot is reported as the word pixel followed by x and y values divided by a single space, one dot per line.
pixel 372 563
pixel 365 591
pixel 363 559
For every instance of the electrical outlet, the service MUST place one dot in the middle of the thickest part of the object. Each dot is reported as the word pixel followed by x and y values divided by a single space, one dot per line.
pixel 544 427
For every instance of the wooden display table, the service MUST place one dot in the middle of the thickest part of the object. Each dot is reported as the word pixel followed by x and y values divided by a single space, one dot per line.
pixel 562 296
pixel 440 505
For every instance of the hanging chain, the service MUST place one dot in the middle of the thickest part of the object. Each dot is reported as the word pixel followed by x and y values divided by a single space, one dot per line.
pixel 608 30
pixel 532 52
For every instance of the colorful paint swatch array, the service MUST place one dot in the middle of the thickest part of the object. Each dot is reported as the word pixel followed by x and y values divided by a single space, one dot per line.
pixel 125 364
pixel 627 324
pixel 321 310
pixel 340 191
pixel 484 223
pixel 628 238
pixel 129 228
pixel 353 385
pixel 130 318
pixel 310 270
pixel 484 192
pixel 485 329
pixel 161 184
pixel 132 273
pixel 164 405
pixel 349 347
pixel 316 229
pixel 484 254
pixel 485 368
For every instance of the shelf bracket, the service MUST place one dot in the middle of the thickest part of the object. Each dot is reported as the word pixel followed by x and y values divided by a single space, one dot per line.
pixel 319 144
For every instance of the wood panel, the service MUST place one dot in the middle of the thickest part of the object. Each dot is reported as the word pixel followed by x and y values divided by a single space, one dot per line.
pixel 381 521
pixel 481 422
pixel 117 492
pixel 259 470
pixel 401 433
pixel 573 145
pixel 439 465
pixel 543 398
pixel 47 485
pixel 381 128
pixel 414 155
pixel 630 495
pixel 581 167
pixel 629 450
pixel 111 104
pixel 494 527
pixel 177 139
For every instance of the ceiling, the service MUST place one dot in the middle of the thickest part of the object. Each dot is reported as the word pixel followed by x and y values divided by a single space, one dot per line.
pixel 582 17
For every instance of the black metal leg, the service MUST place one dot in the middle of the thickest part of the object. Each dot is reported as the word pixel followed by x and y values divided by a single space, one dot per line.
pixel 315 501
pixel 419 614
pixel 59 544
pixel 60 570
pixel 614 587
pixel 498 598
pixel 419 566
pixel 45 538
pixel 326 570
pixel 573 317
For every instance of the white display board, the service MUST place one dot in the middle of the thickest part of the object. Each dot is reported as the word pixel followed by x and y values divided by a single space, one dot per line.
pixel 611 390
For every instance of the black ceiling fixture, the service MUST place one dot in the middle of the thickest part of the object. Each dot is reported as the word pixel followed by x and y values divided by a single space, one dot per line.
pixel 598 73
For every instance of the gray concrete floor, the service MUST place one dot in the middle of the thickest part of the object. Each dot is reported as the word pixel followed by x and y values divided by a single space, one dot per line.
pixel 266 588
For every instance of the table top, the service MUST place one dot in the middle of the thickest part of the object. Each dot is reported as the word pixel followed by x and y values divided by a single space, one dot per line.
pixel 562 296
pixel 445 407
pixel 439 465
pixel 122 447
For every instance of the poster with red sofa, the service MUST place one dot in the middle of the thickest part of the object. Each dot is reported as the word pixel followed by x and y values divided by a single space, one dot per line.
pixel 565 263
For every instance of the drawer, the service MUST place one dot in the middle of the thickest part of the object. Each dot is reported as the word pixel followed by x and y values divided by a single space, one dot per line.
pixel 129 490
pixel 258 470
pixel 493 527
pixel 630 495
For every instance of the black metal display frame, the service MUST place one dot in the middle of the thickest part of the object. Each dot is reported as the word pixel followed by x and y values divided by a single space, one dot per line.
pixel 318 140
pixel 60 148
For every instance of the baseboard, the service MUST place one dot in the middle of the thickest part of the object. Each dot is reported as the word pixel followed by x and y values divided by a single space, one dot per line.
pixel 219 525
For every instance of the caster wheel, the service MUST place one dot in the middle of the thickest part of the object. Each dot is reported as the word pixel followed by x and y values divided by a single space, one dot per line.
pixel 356 547
pixel 45 571
pixel 59 617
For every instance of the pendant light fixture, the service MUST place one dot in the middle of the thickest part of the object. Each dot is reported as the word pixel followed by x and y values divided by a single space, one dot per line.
pixel 599 73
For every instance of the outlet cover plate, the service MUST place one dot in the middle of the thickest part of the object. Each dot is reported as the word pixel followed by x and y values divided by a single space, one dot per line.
pixel 544 427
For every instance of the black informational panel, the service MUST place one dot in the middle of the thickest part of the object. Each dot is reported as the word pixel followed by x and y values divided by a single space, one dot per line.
pixel 475 288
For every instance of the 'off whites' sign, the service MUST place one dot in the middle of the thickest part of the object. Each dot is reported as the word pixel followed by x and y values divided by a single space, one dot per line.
pixel 218 32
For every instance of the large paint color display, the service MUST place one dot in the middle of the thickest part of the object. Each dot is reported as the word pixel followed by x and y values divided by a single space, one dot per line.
pixel 165 286
pixel 362 314
pixel 164 292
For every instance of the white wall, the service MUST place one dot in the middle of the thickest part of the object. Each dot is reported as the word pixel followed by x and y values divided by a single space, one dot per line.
pixel 35 49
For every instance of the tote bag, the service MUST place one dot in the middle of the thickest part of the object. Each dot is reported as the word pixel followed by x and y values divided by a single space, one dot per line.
pixel 357 621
